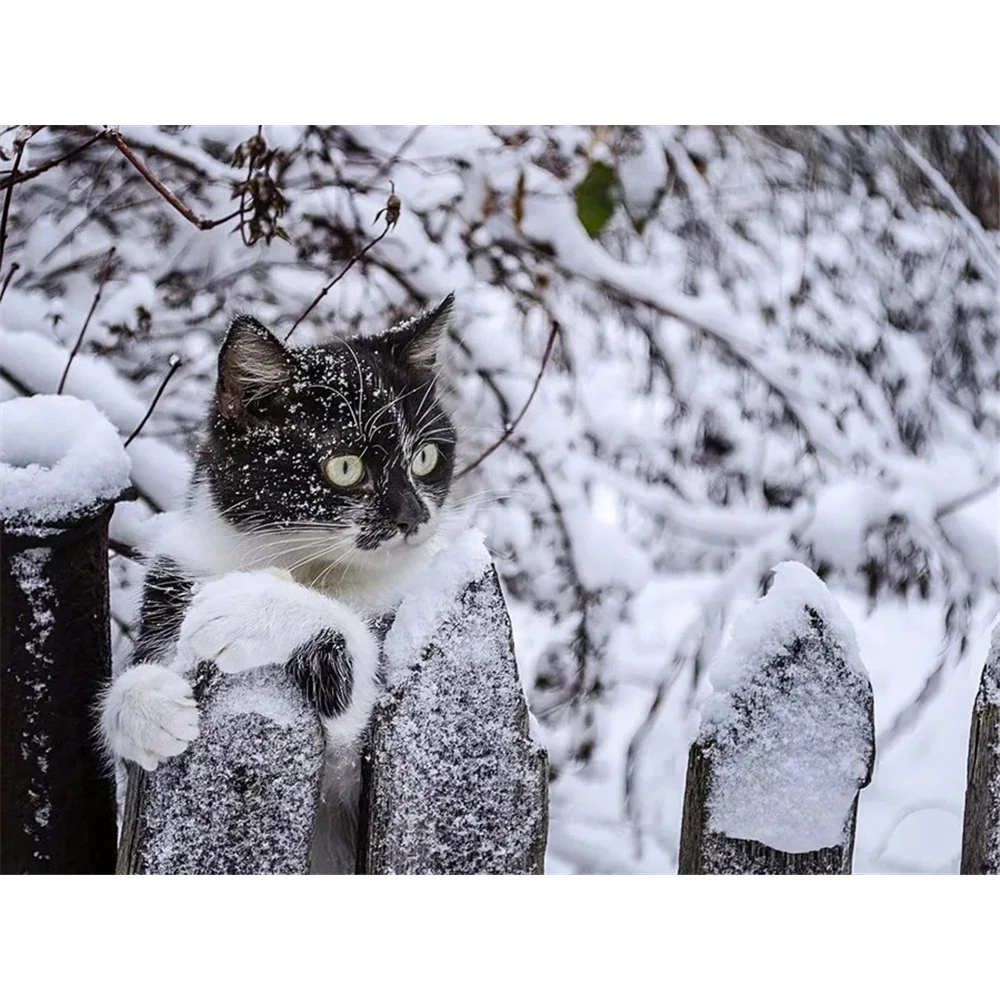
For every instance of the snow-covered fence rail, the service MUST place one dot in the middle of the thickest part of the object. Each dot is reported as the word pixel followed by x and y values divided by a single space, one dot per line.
pixel 981 831
pixel 455 782
pixel 786 741
pixel 63 467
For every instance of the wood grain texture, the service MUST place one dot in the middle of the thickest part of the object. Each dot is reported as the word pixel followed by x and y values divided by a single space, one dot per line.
pixel 981 830
pixel 58 800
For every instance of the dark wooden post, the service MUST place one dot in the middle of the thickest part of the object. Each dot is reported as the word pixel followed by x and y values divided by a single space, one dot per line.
pixel 981 831
pixel 58 800
pixel 454 782
pixel 242 799
pixel 786 741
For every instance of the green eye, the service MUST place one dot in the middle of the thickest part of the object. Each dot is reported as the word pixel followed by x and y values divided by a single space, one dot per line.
pixel 344 470
pixel 425 460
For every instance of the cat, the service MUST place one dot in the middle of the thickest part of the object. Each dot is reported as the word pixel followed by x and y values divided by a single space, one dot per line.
pixel 321 486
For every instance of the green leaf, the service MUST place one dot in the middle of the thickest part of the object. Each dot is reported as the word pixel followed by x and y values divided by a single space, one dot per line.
pixel 596 198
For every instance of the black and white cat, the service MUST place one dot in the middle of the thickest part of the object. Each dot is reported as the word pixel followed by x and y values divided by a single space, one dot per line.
pixel 320 487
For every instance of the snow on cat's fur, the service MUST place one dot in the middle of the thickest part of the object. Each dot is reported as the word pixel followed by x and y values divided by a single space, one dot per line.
pixel 320 489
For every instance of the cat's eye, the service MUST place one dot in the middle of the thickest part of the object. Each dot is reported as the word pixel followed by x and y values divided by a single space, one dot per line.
pixel 424 461
pixel 345 470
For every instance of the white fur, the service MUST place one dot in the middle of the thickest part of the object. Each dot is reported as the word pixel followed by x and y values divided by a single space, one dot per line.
pixel 149 714
pixel 253 619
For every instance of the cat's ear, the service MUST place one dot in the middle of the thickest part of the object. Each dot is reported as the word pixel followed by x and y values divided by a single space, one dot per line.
pixel 253 363
pixel 415 343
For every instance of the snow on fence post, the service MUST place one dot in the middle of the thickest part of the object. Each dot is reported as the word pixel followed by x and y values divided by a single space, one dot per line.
pixel 455 784
pixel 63 468
pixel 981 830
pixel 786 741
pixel 242 798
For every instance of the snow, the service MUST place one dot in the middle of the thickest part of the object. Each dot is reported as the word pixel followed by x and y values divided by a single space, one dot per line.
pixel 430 599
pixel 160 472
pixel 844 512
pixel 241 799
pixel 30 572
pixel 59 457
pixel 787 728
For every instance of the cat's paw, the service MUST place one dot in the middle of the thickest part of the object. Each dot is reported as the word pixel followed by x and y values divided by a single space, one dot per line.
pixel 149 714
pixel 252 619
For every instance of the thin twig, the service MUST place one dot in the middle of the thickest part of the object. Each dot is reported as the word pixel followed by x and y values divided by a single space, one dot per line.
pixel 6 281
pixel 9 181
pixel 16 383
pixel 553 333
pixel 392 161
pixel 10 190
pixel 163 191
pixel 980 491
pixel 389 223
pixel 175 363
pixel 105 274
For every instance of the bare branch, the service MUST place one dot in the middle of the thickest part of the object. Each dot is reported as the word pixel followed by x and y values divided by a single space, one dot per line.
pixel 6 281
pixel 163 191
pixel 16 383
pixel 9 181
pixel 19 145
pixel 980 491
pixel 553 333
pixel 389 223
pixel 175 362
pixel 105 274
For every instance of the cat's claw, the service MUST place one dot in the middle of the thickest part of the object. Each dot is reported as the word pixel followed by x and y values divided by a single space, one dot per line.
pixel 148 715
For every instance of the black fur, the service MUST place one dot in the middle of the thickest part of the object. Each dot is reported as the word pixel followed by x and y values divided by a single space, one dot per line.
pixel 323 671
pixel 165 599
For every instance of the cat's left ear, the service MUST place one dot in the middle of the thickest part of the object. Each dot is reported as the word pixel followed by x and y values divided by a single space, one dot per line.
pixel 253 363
pixel 415 343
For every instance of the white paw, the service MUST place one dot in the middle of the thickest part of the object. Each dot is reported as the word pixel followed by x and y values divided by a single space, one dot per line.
pixel 149 714
pixel 247 620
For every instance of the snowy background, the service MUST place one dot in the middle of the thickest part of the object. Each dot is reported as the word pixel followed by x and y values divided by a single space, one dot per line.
pixel 754 345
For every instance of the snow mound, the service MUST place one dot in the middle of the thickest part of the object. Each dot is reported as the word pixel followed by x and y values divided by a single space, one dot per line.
pixel 788 729
pixel 59 456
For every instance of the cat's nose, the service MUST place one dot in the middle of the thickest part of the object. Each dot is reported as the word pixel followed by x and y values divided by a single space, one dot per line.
pixel 411 515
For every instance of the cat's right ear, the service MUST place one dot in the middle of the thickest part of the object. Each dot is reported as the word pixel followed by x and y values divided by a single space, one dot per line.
pixel 253 364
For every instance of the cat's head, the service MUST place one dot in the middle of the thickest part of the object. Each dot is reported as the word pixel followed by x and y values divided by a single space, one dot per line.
pixel 343 449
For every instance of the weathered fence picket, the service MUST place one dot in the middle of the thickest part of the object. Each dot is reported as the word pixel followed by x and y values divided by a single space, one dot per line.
pixel 981 830
pixel 455 783
pixel 786 741
pixel 63 469
pixel 242 799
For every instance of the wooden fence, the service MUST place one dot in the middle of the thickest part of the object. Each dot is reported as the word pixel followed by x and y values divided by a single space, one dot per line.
pixel 452 780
